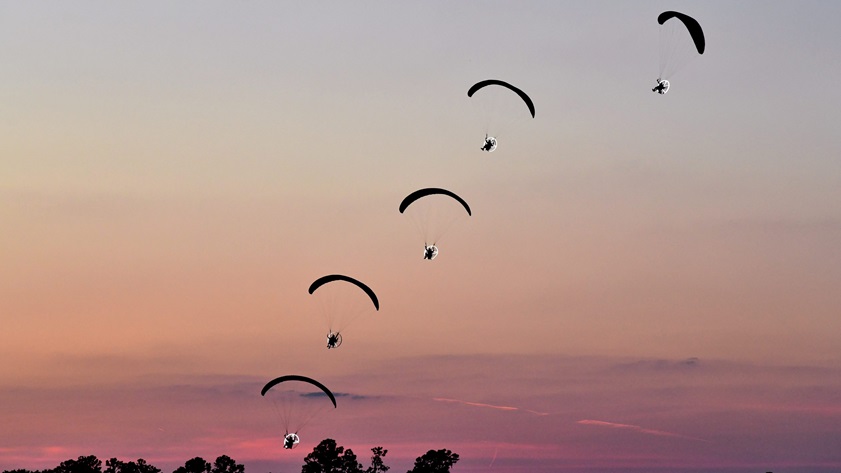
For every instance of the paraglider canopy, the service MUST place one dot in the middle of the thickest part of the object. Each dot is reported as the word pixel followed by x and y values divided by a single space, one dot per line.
pixel 692 26
pixel 681 41
pixel 411 198
pixel 485 83
pixel 295 377
pixel 340 277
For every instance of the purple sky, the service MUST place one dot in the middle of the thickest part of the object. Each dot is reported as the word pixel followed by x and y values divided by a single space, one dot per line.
pixel 647 283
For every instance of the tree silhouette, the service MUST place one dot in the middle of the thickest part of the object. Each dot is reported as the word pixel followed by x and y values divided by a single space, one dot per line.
pixel 91 464
pixel 435 461
pixel 226 464
pixel 327 457
pixel 116 466
pixel 143 467
pixel 194 465
pixel 377 465
pixel 88 464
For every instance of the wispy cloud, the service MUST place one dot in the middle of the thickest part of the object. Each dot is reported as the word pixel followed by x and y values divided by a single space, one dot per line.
pixel 637 428
pixel 355 397
pixel 659 365
pixel 491 406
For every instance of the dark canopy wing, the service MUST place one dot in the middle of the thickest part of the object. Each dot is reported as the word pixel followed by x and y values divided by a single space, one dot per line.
pixel 429 191
pixel 340 277
pixel 295 377
pixel 691 24
pixel 517 91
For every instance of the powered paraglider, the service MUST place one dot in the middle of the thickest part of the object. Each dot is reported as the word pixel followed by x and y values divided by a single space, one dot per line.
pixel 297 404
pixel 342 300
pixel 681 41
pixel 434 211
pixel 498 108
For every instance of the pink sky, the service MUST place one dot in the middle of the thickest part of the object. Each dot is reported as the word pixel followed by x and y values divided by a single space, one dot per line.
pixel 646 283
pixel 563 414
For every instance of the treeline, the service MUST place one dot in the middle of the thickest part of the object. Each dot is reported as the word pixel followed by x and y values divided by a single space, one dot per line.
pixel 326 457
pixel 91 464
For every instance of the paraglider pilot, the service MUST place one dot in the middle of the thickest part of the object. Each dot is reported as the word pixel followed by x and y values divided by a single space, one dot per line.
pixel 332 340
pixel 661 87
pixel 489 143
pixel 429 252
pixel 290 441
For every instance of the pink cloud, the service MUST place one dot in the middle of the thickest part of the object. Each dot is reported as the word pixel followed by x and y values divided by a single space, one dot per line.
pixel 491 406
pixel 636 428
pixel 405 406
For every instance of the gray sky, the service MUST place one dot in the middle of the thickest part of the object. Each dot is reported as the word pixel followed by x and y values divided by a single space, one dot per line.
pixel 173 175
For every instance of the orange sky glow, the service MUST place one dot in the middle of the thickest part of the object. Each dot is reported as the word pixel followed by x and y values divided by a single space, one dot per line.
pixel 646 283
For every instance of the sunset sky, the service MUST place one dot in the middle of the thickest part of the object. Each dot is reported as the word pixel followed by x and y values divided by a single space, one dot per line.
pixel 647 283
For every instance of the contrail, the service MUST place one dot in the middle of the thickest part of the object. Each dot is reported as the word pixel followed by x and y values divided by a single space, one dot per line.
pixel 637 428
pixel 494 458
pixel 492 406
